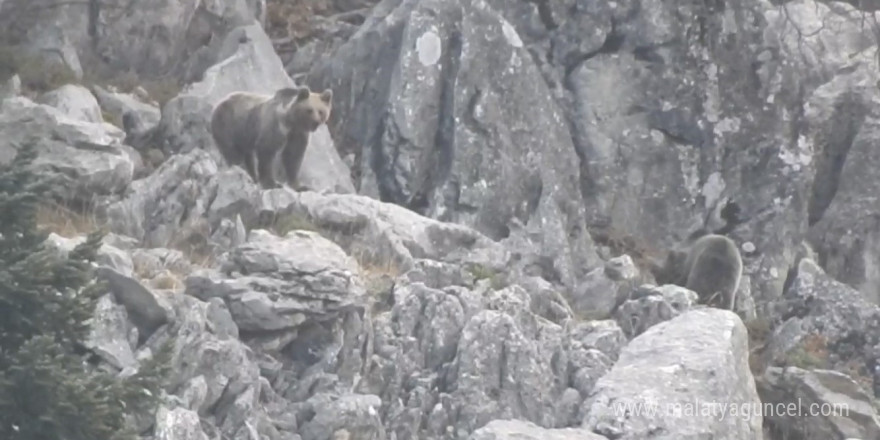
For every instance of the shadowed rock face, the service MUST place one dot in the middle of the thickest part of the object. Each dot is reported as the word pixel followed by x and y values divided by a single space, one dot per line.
pixel 155 39
pixel 446 113
pixel 844 227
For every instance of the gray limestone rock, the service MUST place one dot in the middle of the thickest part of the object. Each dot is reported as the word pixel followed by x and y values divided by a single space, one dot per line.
pixel 823 323
pixel 382 234
pixel 276 283
pixel 693 364
pixel 109 334
pixel 604 288
pixel 74 101
pixel 145 307
pixel 11 88
pixel 830 404
pixel 479 142
pixel 356 417
pixel 183 202
pixel 108 255
pixel 142 116
pixel 178 424
pixel 84 159
pixel 650 305
pixel 159 39
pixel 843 115
pixel 498 135
pixel 204 352
pixel 519 430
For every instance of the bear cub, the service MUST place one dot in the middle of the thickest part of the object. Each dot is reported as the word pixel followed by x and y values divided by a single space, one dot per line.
pixel 709 265
pixel 250 130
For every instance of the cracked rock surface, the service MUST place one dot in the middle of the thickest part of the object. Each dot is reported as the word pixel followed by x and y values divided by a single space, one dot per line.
pixel 468 254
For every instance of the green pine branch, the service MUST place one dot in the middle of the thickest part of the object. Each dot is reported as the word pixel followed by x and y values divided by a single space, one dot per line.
pixel 47 390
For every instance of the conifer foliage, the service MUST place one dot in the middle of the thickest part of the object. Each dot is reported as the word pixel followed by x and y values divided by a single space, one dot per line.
pixel 47 389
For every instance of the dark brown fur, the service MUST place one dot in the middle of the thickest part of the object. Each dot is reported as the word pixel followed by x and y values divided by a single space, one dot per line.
pixel 251 129
pixel 709 264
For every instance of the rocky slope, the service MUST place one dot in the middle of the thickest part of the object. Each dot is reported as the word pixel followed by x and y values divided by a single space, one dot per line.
pixel 457 268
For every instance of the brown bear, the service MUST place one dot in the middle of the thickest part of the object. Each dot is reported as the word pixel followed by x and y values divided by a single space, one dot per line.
pixel 250 129
pixel 708 264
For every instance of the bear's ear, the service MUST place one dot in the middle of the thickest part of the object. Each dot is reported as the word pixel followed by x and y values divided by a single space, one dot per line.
pixel 303 93
pixel 287 94
pixel 327 96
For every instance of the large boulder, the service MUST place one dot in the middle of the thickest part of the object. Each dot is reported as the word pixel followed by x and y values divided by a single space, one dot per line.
pixel 178 424
pixel 650 305
pixel 349 417
pixel 109 336
pixel 683 378
pixel 212 369
pixel 843 117
pixel 118 104
pixel 183 203
pixel 144 307
pixel 830 404
pixel 823 323
pixel 276 283
pixel 158 39
pixel 167 37
pixel 85 159
pixel 76 102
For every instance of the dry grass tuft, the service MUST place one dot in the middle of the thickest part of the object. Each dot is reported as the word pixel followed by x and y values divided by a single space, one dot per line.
pixel 497 280
pixel 36 74
pixel 160 90
pixel 811 352
pixel 378 281
pixel 167 280
pixel 65 221
pixel 194 242
pixel 292 18
pixel 620 242
pixel 283 224
pixel 856 369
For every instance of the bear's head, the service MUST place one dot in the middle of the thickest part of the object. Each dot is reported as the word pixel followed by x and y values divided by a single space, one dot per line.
pixel 304 109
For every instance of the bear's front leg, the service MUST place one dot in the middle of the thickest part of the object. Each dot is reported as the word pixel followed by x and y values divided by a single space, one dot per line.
pixel 250 166
pixel 265 159
pixel 292 157
pixel 267 180
pixel 266 149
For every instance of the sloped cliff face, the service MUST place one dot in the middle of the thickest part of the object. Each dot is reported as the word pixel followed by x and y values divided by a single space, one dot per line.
pixel 458 125
pixel 668 107
pixel 453 269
